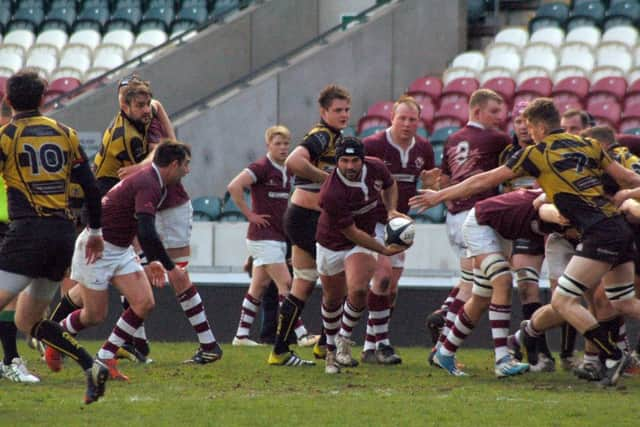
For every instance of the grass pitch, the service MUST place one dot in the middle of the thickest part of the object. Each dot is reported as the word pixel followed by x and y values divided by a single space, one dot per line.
pixel 242 390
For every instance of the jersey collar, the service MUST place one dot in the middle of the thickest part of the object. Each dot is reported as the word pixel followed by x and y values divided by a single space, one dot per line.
pixel 361 184
pixel 26 114
pixel 323 123
pixel 475 124
pixel 281 168
pixel 404 154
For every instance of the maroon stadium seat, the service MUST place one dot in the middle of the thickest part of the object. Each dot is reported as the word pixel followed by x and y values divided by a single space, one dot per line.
pixel 426 87
pixel 381 109
pixel 504 86
pixel 632 142
pixel 538 86
pixel 572 88
pixel 367 122
pixel 605 113
pixel 563 106
pixel 633 94
pixel 63 85
pixel 459 88
pixel 427 113
pixel 451 114
pixel 610 87
pixel 630 117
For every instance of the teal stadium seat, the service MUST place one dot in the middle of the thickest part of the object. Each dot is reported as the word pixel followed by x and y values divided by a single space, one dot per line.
pixel 423 132
pixel 349 131
pixel 634 131
pixel 159 14
pixel 61 15
pixel 28 16
pixel 440 136
pixel 476 11
pixel 127 15
pixel 370 131
pixel 622 13
pixel 206 208
pixel 438 149
pixel 549 15
pixel 6 10
pixel 230 211
pixel 192 13
pixel 586 13
pixel 93 14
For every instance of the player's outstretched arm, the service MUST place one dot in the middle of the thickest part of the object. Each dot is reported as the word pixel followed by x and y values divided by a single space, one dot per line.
pixel 361 238
pixel 299 163
pixel 236 190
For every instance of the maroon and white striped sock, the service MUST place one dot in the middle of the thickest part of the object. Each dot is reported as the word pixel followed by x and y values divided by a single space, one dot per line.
pixel 193 308
pixel 72 323
pixel 331 322
pixel 370 335
pixel 250 306
pixel 350 318
pixel 379 315
pixel 450 298
pixel 500 320
pixel 450 318
pixel 123 332
pixel 462 328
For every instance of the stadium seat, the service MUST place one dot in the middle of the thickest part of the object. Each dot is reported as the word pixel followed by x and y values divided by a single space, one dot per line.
pixel 587 35
pixel 371 130
pixel 87 37
pixel 614 55
pixel 5 15
pixel 382 109
pixel 93 15
pixel 530 73
pixel 563 106
pixel 624 34
pixel 503 56
pixel 437 151
pixel 495 73
pixel 476 11
pixel 473 59
pixel 189 18
pixel 368 122
pixel 630 118
pixel 577 55
pixel 504 86
pixel 439 136
pixel 573 88
pixel 549 15
pixel 434 215
pixel 633 93
pixel 120 37
pixel 61 16
pixel 516 36
pixel 63 85
pixel 223 7
pixel 159 15
pixel 462 87
pixel 634 131
pixel 451 114
pixel 451 74
pixel 421 131
pixel 605 113
pixel 74 62
pixel 609 88
pixel 10 61
pixel 427 112
pixel 230 211
pixel 44 59
pixel 540 55
pixel 349 131
pixel 553 36
pixel 537 86
pixel 126 18
pixel 426 87
pixel 53 37
pixel 21 39
pixel 27 17
pixel 586 13
pixel 151 38
pixel 622 13
pixel 107 57
pixel 206 208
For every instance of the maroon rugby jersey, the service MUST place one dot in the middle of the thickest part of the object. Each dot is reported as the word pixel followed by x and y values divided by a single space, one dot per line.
pixel 472 150
pixel 405 166
pixel 632 142
pixel 142 192
pixel 269 196
pixel 510 214
pixel 345 202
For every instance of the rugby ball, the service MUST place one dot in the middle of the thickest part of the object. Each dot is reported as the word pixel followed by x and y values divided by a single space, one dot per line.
pixel 400 231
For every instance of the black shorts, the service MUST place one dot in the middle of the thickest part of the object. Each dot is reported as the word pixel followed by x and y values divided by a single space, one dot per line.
pixel 4 227
pixel 38 247
pixel 528 246
pixel 609 241
pixel 300 226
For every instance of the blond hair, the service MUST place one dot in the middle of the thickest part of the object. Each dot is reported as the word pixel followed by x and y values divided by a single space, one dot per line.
pixel 276 130
pixel 480 97
pixel 407 100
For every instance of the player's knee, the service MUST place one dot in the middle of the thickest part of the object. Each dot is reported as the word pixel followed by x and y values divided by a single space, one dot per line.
pixel 358 296
pixel 570 287
pixel 495 266
pixel 618 292
pixel 308 274
pixel 481 286
pixel 466 276
pixel 92 317
pixel 383 285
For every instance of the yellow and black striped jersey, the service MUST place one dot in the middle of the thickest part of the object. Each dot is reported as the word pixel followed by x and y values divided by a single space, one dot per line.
pixel 123 144
pixel 626 158
pixel 525 181
pixel 320 141
pixel 569 169
pixel 36 157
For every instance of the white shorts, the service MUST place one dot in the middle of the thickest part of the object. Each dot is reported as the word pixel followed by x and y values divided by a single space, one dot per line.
pixel 174 225
pixel 454 232
pixel 267 251
pixel 397 260
pixel 330 263
pixel 482 239
pixel 115 261
pixel 558 252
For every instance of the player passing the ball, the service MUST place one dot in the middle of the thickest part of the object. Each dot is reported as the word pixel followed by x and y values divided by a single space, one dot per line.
pixel 346 247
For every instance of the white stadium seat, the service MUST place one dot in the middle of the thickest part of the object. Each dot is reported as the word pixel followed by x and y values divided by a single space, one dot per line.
pixel 52 37
pixel 540 55
pixel 550 35
pixel 120 37
pixel 615 55
pixel 577 55
pixel 10 61
pixel 107 57
pixel 451 74
pixel 517 36
pixel 624 34
pixel 567 71
pixel 153 37
pixel 473 59
pixel 21 37
pixel 44 60
pixel 75 61
pixel 607 71
pixel 633 75
pixel 526 73
pixel 503 56
pixel 493 73
pixel 587 34
pixel 87 37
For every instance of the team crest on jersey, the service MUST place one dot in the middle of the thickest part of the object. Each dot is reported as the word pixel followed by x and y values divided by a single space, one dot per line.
pixel 419 162
pixel 377 185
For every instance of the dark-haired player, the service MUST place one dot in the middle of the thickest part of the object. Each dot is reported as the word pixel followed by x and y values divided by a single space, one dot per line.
pixel 346 243
pixel 38 157
pixel 311 162
pixel 407 156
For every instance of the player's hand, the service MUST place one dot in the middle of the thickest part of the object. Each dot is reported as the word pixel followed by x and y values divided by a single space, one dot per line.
pixel 126 171
pixel 424 200
pixel 396 214
pixel 261 221
pixel 620 197
pixel 155 273
pixel 179 278
pixel 431 178
pixel 394 248
pixel 94 248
